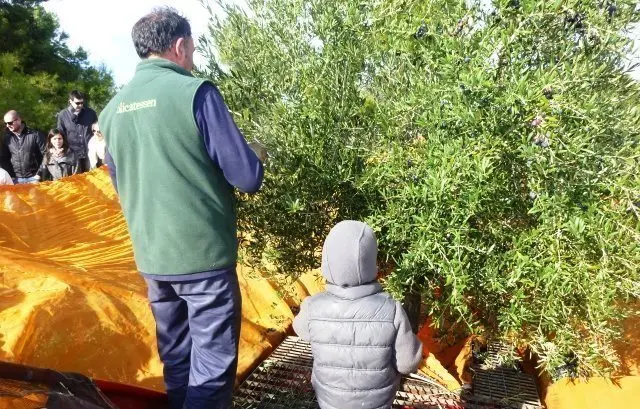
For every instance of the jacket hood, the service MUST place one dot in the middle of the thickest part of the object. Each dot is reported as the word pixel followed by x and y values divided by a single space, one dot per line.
pixel 349 254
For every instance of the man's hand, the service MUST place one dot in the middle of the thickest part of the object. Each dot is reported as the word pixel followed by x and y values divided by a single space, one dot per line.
pixel 259 150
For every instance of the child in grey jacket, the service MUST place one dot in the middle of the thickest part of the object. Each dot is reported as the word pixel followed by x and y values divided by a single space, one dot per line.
pixel 360 337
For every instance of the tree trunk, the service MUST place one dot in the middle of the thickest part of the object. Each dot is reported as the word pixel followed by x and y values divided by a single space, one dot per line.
pixel 411 304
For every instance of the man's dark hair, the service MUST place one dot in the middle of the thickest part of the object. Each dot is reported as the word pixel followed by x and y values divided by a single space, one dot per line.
pixel 75 94
pixel 156 32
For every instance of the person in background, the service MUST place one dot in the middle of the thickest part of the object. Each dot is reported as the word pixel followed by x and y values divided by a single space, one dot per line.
pixel 5 178
pixel 175 155
pixel 59 160
pixel 75 122
pixel 361 338
pixel 97 146
pixel 22 150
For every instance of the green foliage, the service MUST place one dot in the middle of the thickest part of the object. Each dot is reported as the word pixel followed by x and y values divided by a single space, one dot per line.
pixel 493 149
pixel 37 68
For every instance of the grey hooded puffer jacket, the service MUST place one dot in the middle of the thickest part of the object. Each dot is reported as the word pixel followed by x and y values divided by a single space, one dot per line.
pixel 360 337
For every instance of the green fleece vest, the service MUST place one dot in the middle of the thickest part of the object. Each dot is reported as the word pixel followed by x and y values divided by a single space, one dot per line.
pixel 178 206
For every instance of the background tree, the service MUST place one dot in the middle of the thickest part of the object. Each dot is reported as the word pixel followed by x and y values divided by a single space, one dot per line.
pixel 37 68
pixel 493 148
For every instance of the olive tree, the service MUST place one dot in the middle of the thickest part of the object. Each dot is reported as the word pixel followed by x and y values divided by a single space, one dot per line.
pixel 493 147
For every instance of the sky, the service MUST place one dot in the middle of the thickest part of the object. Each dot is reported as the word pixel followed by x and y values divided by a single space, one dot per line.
pixel 103 29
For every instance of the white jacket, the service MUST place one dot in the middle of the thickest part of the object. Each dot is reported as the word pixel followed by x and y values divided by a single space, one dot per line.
pixel 96 151
pixel 5 179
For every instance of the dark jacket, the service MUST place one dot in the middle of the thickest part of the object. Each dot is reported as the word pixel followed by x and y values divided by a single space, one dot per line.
pixel 4 152
pixel 77 128
pixel 54 168
pixel 21 156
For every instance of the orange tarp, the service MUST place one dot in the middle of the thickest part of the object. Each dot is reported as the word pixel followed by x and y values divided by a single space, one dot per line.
pixel 454 356
pixel 72 300
pixel 594 393
pixel 623 391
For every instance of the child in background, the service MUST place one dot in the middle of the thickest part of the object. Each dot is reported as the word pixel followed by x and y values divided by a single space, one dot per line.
pixel 360 337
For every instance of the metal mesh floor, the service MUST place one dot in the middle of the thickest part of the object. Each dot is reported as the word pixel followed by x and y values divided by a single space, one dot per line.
pixel 283 381
pixel 497 382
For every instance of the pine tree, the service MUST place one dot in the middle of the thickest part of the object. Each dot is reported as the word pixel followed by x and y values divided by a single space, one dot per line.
pixel 37 68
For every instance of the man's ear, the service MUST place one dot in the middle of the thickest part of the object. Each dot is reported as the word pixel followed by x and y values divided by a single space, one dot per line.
pixel 181 47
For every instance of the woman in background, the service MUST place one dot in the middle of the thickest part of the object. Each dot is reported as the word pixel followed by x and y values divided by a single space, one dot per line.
pixel 96 147
pixel 5 178
pixel 59 160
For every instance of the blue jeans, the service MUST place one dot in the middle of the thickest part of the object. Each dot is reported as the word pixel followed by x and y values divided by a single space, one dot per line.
pixel 198 330
pixel 21 181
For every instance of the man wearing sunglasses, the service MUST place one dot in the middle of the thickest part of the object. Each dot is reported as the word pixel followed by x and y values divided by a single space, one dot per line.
pixel 75 121
pixel 22 149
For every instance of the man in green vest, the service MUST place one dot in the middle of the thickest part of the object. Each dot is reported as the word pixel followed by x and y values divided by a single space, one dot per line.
pixel 175 156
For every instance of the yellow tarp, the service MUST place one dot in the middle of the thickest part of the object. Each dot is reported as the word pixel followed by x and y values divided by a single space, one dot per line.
pixel 623 391
pixel 70 296
pixel 594 393
pixel 71 300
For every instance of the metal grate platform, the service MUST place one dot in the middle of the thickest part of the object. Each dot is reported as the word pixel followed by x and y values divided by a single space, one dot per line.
pixel 283 381
pixel 495 381
pixel 293 350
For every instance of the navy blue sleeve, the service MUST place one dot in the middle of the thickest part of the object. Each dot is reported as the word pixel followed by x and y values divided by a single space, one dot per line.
pixel 225 145
pixel 108 160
